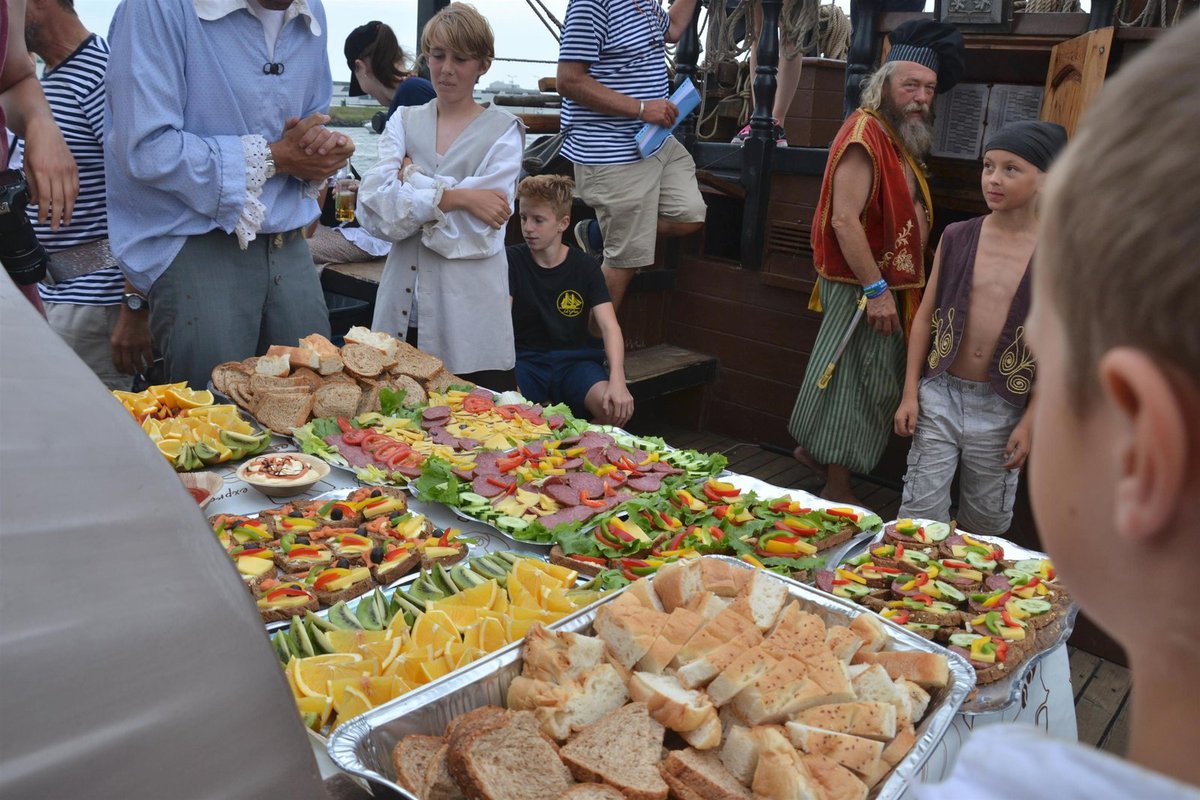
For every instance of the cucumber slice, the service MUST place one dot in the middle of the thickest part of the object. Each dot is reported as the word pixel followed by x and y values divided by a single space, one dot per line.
pixel 936 531
pixel 1032 605
pixel 855 590
pixel 949 592
pixel 964 640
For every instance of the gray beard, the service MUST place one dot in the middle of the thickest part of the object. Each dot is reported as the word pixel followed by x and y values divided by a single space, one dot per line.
pixel 916 135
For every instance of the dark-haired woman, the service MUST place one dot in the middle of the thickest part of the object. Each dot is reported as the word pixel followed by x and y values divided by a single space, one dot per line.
pixel 378 68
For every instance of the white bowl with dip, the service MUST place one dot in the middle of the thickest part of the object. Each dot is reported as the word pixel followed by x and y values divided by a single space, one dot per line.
pixel 282 473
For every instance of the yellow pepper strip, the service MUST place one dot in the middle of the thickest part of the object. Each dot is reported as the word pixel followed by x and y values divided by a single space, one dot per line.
pixel 683 552
pixel 606 469
pixel 850 576
pixel 749 559
pixel 650 459
pixel 575 451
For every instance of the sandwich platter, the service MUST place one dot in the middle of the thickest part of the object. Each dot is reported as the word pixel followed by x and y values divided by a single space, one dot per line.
pixel 363 746
pixel 1007 691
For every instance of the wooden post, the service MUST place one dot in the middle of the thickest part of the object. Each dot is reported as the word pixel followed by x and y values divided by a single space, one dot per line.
pixel 687 56
pixel 425 11
pixel 864 50
pixel 760 147
pixel 1102 14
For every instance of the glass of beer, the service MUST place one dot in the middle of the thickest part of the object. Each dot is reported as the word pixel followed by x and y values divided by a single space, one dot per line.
pixel 346 197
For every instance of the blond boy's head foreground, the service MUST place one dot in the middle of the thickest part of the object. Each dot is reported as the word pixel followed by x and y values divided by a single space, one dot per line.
pixel 1115 326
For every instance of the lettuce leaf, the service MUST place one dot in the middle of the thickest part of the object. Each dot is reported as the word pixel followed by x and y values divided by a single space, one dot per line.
pixel 314 443
pixel 610 579
pixel 391 401
pixel 438 483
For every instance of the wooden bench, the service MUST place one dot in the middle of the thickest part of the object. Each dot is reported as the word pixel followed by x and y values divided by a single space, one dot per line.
pixel 664 368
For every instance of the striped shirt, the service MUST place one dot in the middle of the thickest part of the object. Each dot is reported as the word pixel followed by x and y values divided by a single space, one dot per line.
pixel 623 44
pixel 75 91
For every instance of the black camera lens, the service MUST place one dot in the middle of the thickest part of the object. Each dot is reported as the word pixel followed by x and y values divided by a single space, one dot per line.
pixel 22 254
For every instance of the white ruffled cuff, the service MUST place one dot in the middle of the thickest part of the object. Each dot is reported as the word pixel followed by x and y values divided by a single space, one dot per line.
pixel 312 189
pixel 256 149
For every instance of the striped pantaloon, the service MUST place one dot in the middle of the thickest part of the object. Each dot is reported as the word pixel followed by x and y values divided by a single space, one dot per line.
pixel 849 421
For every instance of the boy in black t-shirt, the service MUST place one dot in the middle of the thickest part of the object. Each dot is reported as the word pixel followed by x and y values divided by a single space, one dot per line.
pixel 553 290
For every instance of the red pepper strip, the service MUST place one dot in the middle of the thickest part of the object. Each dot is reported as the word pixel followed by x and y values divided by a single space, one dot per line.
pixel 712 494
pixel 615 529
pixel 1033 581
pixel 499 484
pixel 1050 573
pixel 634 562
pixel 901 618
pixel 510 463
pixel 303 552
pixel 956 564
pixel 1001 649
pixel 720 512
pixel 444 540
pixel 781 507
pixel 888 570
pixel 286 591
pixel 992 556
pixel 633 473
pixel 716 532
pixel 921 579
pixel 608 490
pixel 786 539
pixel 602 539
pixel 837 512
pixel 344 425
pixel 1008 620
pixel 733 491
pixel 590 559
pixel 646 515
pixel 616 475
pixel 924 598
pixel 840 581
pixel 583 498
pixel 627 465
pixel 678 538
pixel 629 576
pixel 899 552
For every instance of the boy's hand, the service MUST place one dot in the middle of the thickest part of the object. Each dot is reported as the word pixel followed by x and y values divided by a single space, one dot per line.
pixel 486 205
pixel 1017 449
pixel 617 403
pixel 906 417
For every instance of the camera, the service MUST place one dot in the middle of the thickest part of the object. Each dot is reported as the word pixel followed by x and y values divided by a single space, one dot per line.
pixel 20 251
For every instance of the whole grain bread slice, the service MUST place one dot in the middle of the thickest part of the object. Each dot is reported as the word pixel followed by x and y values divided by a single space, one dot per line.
pixel 414 394
pixel 622 750
pixel 337 399
pixel 283 412
pixel 363 360
pixel 701 773
pixel 411 758
pixel 439 784
pixel 416 363
pixel 591 791
pixel 512 760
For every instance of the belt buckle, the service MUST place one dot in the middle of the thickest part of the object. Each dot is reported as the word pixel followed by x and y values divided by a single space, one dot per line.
pixel 277 241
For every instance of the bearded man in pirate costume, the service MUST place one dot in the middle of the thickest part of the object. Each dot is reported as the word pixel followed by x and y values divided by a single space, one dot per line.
pixel 870 237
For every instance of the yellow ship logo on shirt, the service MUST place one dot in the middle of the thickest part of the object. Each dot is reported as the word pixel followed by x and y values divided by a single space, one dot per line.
pixel 570 303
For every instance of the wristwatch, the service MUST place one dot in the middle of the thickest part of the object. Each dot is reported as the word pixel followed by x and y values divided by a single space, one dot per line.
pixel 136 302
pixel 270 166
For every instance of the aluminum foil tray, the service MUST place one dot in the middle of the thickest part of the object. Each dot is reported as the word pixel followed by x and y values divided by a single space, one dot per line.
pixel 363 746
pixel 1004 693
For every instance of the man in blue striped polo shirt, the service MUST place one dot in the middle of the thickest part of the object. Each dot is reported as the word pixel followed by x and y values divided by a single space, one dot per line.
pixel 215 150
pixel 612 74
pixel 85 304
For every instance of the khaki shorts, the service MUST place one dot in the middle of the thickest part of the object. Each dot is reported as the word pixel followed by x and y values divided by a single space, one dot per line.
pixel 629 200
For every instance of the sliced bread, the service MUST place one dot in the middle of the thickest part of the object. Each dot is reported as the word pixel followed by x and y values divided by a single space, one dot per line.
pixel 297 356
pixel 864 718
pixel 781 774
pixel 707 604
pixel 222 373
pixel 274 366
pixel 408 360
pixel 336 399
pixel 563 709
pixel 765 596
pixel 723 578
pixel 781 692
pixel 439 784
pixel 363 360
pixel 384 343
pixel 628 630
pixel 414 394
pixel 701 773
pixel 443 380
pixel 871 631
pixel 507 759
pixel 559 655
pixel 329 357
pixel 843 642
pixel 283 412
pixel 411 758
pixel 678 582
pixel 591 791
pixel 701 671
pixel 643 591
pixel 681 624
pixel 745 669
pixel 873 684
pixel 852 752
pixel 727 625
pixel 621 750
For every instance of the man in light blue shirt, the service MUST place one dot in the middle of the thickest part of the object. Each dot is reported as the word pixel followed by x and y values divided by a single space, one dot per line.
pixel 215 149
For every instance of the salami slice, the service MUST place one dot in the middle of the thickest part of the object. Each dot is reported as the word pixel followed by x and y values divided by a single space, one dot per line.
pixel 595 455
pixel 594 439
pixel 566 516
pixel 482 393
pixel 646 483
pixel 536 449
pixel 572 463
pixel 465 474
pixel 465 443
pixel 824 580
pixel 353 454
pixel 442 437
pixel 586 482
pixel 436 412
pixel 562 494
pixel 997 582
pixel 662 468
pixel 570 441
pixel 408 470
pixel 486 488
pixel 485 463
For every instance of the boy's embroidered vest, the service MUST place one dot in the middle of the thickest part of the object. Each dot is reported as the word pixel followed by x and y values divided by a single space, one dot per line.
pixel 1012 368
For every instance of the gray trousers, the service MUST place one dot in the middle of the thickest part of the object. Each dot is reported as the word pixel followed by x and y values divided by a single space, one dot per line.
pixel 88 330
pixel 217 302
pixel 961 423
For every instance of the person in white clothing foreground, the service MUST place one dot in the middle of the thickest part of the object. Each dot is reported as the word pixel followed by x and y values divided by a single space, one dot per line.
pixel 1115 471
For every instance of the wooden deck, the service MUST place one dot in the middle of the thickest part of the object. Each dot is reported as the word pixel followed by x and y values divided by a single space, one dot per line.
pixel 1101 687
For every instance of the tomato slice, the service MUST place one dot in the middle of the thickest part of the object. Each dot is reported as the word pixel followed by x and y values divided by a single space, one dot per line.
pixel 473 404
pixel 344 424
pixel 355 436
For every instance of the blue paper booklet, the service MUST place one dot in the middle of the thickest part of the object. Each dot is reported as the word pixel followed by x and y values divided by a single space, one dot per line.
pixel 651 137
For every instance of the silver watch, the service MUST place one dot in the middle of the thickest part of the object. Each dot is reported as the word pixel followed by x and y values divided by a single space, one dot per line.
pixel 135 302
pixel 270 165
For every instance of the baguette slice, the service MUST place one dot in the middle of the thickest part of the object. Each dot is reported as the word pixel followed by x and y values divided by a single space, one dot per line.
pixel 621 750
pixel 838 782
pixel 874 685
pixel 411 758
pixel 870 719
pixel 274 366
pixel 707 605
pixel 700 773
pixel 559 656
pixel 678 582
pixel 783 691
pixel 852 752
pixel 728 625
pixel 927 670
pixel 781 774
pixel 628 631
pixel 329 357
pixel 382 342
pixel 871 631
pixel 697 673
pixel 765 596
pixel 296 356
pixel 680 626
pixel 723 578
pixel 642 590
pixel 677 708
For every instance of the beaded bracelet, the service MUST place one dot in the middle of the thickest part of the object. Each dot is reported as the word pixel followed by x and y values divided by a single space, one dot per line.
pixel 875 289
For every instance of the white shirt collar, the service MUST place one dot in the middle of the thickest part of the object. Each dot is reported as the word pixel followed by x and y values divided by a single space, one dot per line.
pixel 215 9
